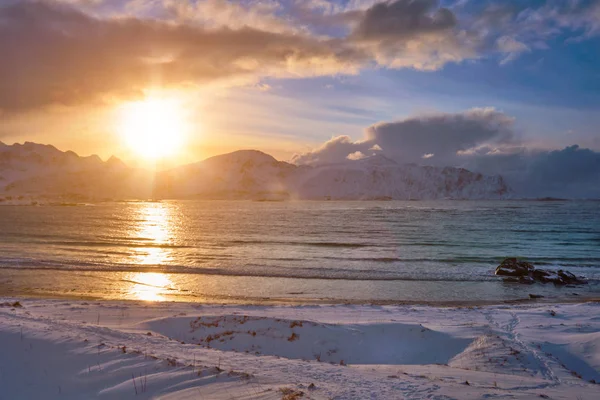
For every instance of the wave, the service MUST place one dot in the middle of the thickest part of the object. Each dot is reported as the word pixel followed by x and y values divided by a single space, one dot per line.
pixel 480 275
pixel 297 243
pixel 117 244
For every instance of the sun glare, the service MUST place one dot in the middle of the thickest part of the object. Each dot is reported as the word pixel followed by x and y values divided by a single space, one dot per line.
pixel 154 128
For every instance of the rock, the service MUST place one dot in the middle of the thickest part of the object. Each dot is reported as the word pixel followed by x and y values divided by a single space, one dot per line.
pixel 516 271
pixel 570 279
pixel 558 278
pixel 527 280
pixel 547 276
pixel 514 267
pixel 535 296
pixel 540 274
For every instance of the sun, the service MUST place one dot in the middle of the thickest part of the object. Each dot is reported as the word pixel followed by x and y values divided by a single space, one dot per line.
pixel 153 128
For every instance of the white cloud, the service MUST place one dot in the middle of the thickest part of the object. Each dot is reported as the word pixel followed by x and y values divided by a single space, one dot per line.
pixel 357 155
pixel 511 47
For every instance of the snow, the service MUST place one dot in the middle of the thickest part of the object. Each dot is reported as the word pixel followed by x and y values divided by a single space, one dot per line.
pixel 253 174
pixel 77 349
pixel 38 173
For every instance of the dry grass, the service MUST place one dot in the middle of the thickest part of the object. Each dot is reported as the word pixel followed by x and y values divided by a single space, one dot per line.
pixel 290 394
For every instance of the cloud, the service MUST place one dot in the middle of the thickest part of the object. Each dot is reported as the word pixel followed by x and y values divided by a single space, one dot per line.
pixel 418 34
pixel 76 51
pixel 404 20
pixel 481 140
pixel 334 150
pixel 57 54
pixel 257 14
pixel 521 26
pixel 357 155
pixel 445 135
pixel 511 47
pixel 571 172
pixel 442 134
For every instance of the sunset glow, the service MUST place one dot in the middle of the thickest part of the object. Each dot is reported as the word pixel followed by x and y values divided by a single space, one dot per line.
pixel 153 128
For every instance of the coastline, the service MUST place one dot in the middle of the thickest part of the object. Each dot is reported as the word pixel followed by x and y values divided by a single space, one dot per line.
pixel 270 302
pixel 210 289
pixel 176 350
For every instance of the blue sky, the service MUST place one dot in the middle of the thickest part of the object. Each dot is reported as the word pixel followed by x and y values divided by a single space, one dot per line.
pixel 553 93
pixel 288 76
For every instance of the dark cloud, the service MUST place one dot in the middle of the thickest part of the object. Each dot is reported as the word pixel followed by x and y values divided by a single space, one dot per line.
pixel 443 135
pixel 402 20
pixel 414 33
pixel 481 140
pixel 438 137
pixel 56 54
pixel 572 172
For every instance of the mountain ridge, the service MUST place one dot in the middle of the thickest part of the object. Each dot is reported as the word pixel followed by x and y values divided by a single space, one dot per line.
pixel 42 171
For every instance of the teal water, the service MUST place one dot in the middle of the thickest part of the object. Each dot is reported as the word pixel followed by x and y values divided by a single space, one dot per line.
pixel 318 251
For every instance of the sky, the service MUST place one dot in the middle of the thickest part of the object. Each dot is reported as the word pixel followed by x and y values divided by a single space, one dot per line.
pixel 498 86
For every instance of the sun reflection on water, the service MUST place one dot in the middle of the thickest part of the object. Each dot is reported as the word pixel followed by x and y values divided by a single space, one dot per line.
pixel 153 235
pixel 154 231
pixel 149 286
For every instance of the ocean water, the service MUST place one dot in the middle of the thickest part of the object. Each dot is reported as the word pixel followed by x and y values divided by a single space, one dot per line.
pixel 243 251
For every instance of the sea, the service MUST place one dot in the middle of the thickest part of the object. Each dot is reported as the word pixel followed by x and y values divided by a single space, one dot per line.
pixel 310 252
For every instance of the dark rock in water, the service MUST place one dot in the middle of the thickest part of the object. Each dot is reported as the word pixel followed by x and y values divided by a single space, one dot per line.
pixel 558 278
pixel 570 278
pixel 528 280
pixel 514 267
pixel 535 296
pixel 540 274
pixel 517 271
pixel 544 276
pixel 519 279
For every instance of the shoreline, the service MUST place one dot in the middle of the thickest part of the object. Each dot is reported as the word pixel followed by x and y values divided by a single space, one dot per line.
pixel 91 349
pixel 312 302
pixel 195 288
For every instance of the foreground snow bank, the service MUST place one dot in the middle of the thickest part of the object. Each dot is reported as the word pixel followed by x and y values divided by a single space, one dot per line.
pixel 385 343
pixel 73 350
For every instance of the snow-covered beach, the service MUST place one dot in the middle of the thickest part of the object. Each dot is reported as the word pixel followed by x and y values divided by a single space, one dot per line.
pixel 67 349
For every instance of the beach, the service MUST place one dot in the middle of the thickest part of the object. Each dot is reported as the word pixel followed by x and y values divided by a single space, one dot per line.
pixel 74 349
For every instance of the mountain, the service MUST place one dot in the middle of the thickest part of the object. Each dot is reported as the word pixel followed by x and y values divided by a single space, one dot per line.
pixel 256 175
pixel 42 171
pixel 380 178
pixel 241 174
pixel 38 171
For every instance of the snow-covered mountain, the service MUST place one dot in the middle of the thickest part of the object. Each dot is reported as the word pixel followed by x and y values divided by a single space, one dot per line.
pixel 253 174
pixel 42 171
pixel 379 177
pixel 241 174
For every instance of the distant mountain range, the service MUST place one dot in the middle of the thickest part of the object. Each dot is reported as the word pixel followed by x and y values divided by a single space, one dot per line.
pixel 42 172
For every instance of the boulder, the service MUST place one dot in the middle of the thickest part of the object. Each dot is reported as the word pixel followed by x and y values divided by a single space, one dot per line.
pixel 570 279
pixel 540 274
pixel 519 279
pixel 514 267
pixel 527 280
pixel 516 271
